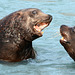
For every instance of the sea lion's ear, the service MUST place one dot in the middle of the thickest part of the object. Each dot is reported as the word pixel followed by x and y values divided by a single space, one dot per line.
pixel 19 13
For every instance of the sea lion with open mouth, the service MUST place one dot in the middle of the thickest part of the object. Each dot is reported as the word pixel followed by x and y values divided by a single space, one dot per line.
pixel 18 30
pixel 68 39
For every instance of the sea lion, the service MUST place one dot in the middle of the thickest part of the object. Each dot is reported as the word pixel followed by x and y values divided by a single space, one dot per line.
pixel 68 40
pixel 18 30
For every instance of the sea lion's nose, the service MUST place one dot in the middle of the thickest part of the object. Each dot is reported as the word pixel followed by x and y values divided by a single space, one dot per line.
pixel 49 17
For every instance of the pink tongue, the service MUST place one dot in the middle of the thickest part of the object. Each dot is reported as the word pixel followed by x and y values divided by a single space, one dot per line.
pixel 42 23
pixel 39 28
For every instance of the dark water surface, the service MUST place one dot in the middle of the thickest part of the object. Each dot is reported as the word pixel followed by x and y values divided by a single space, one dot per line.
pixel 52 59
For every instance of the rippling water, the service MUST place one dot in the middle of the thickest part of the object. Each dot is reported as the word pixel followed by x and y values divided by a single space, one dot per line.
pixel 52 59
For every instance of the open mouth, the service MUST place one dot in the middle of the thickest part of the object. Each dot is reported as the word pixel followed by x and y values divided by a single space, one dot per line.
pixel 40 26
pixel 63 39
pixel 64 31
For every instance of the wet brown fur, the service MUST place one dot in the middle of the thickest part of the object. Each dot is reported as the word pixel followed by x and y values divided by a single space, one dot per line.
pixel 16 35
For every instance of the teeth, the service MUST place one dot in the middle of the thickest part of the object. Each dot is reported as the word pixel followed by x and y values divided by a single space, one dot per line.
pixel 63 39
pixel 40 27
pixel 37 28
pixel 42 32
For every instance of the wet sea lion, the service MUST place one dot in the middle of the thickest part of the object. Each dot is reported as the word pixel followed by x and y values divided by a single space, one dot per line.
pixel 68 40
pixel 18 30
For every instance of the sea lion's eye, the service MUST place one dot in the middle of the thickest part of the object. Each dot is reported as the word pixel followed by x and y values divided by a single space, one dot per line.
pixel 34 12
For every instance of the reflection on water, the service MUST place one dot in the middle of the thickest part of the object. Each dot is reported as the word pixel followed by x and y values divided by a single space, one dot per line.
pixel 68 14
pixel 52 59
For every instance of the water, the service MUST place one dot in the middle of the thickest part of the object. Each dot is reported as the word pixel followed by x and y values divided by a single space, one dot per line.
pixel 52 59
